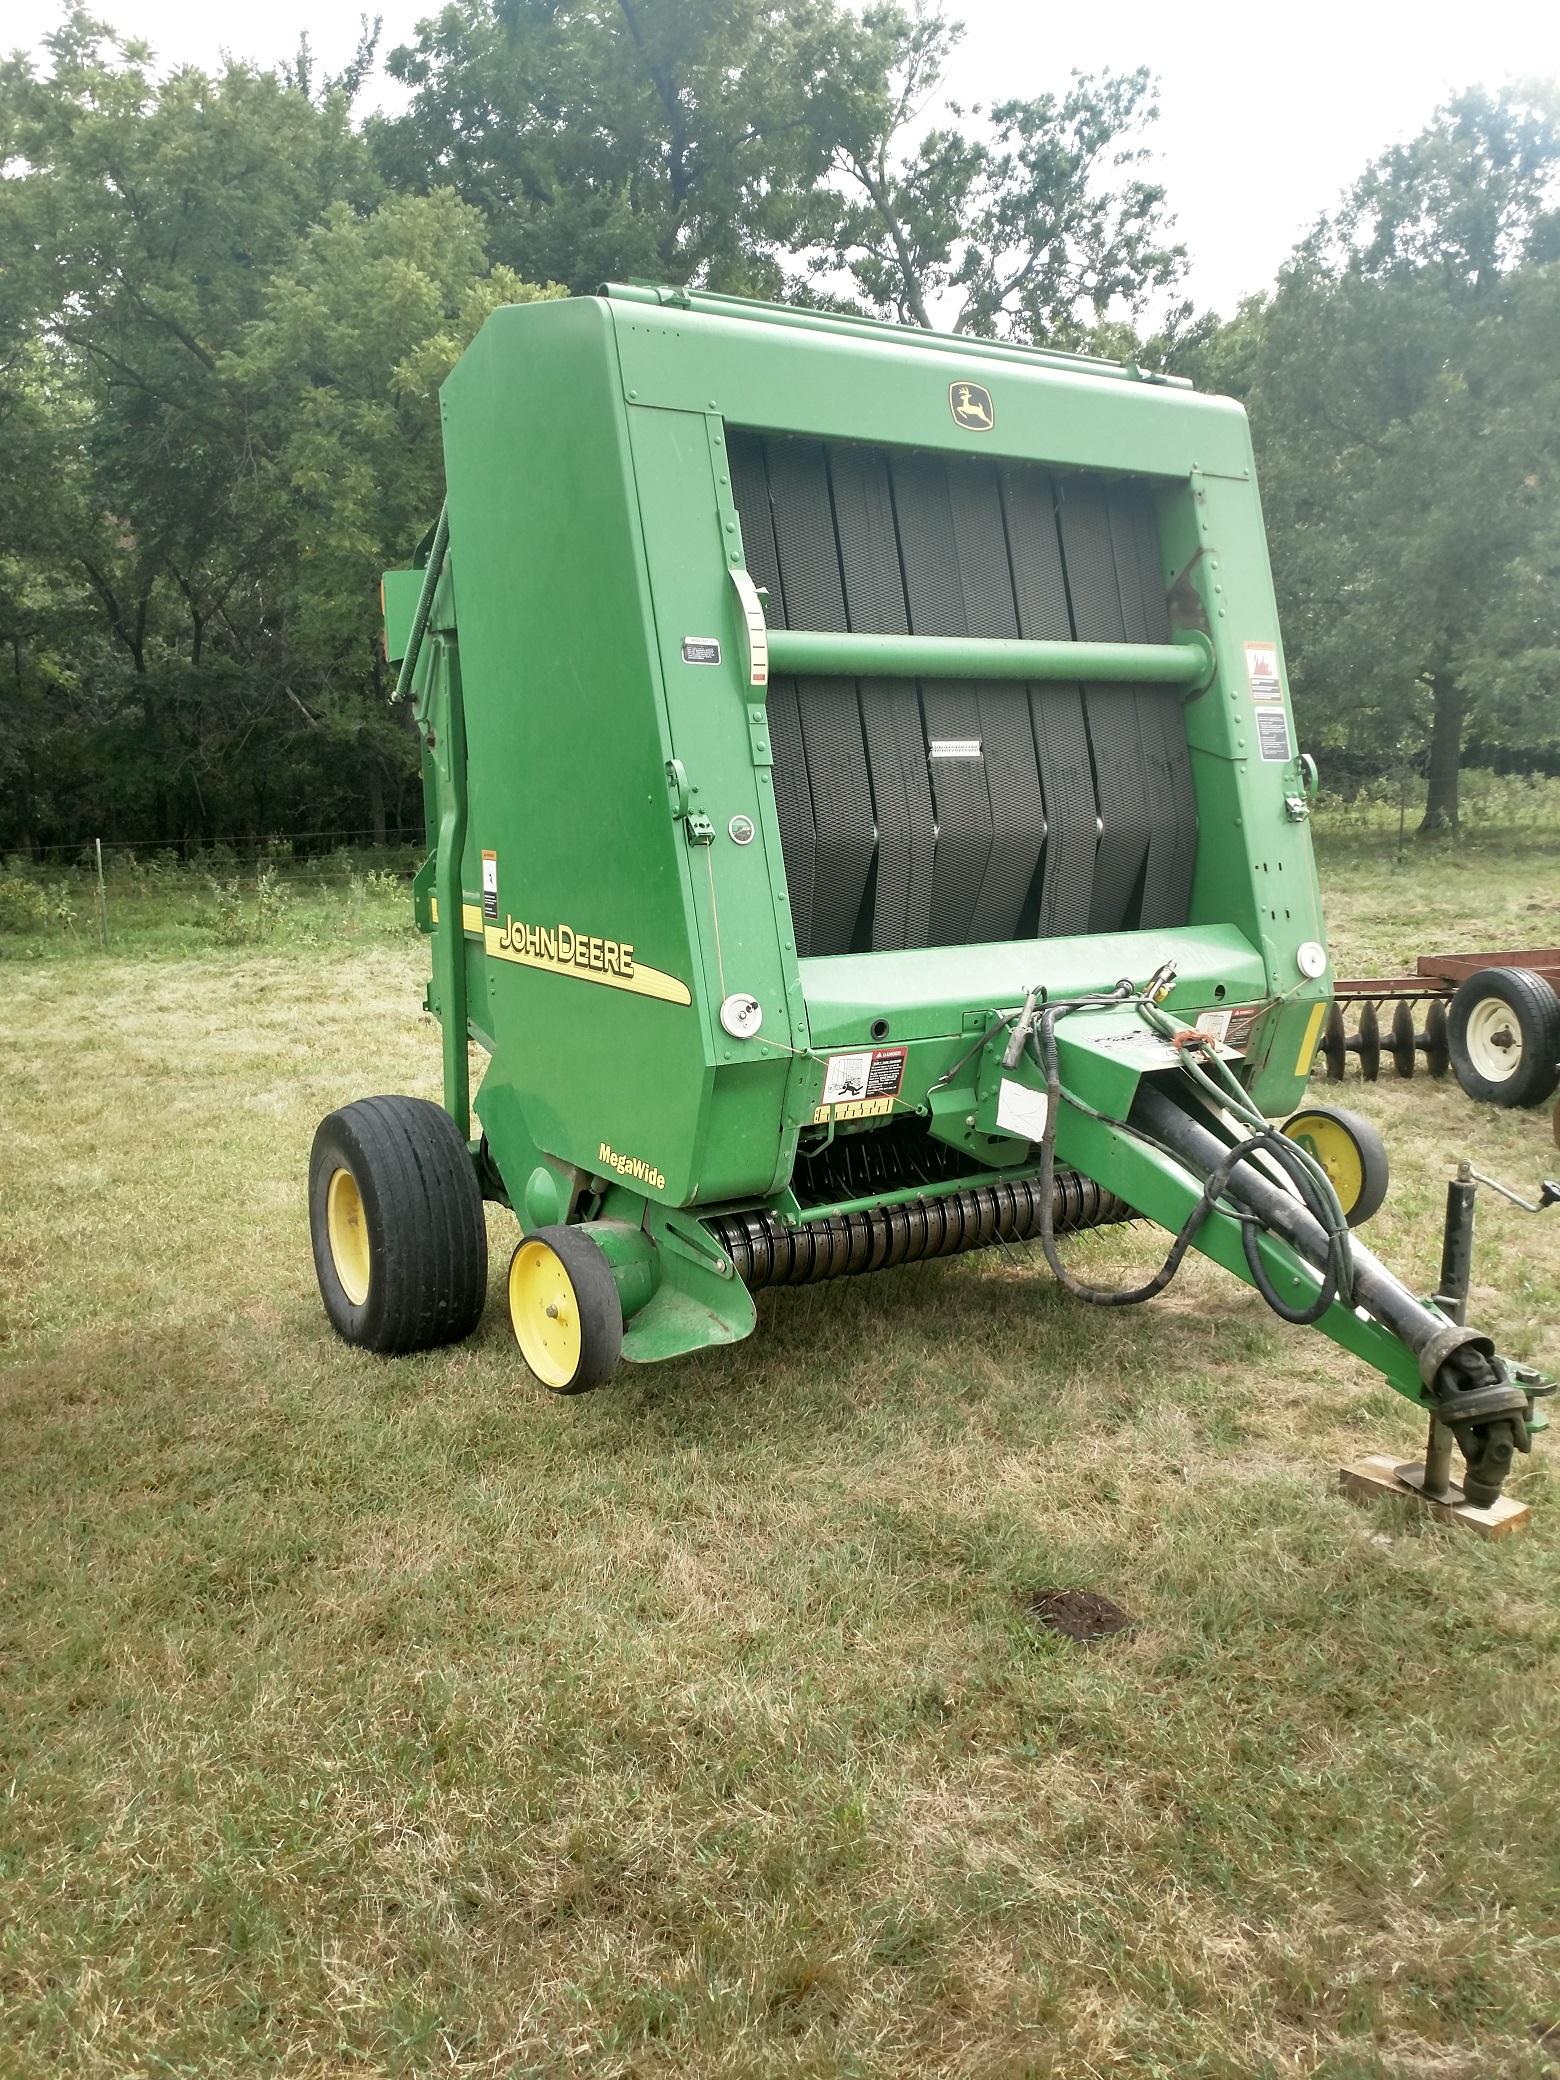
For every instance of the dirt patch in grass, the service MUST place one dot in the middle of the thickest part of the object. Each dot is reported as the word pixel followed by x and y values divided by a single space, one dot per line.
pixel 1078 1614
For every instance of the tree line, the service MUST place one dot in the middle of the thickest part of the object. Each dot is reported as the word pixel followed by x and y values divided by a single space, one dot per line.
pixel 227 302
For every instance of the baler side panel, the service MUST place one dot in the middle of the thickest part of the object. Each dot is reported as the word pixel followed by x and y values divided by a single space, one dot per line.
pixel 722 740
pixel 1261 875
pixel 566 774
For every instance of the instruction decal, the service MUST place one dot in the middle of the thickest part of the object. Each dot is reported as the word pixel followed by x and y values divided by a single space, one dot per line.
pixel 700 650
pixel 490 887
pixel 1262 672
pixel 1273 733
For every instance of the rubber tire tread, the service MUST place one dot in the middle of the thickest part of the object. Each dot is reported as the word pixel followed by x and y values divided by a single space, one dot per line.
pixel 596 1296
pixel 427 1234
pixel 1537 1011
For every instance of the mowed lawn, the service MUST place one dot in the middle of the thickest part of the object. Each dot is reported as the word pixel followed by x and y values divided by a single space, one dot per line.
pixel 366 1717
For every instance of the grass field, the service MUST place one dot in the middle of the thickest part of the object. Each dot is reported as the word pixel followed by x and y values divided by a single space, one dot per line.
pixel 362 1717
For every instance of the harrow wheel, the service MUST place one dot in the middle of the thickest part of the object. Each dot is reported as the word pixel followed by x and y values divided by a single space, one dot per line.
pixel 565 1311
pixel 1351 1152
pixel 1504 1033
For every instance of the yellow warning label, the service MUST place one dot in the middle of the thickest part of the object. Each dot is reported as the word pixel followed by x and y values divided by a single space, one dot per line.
pixel 558 949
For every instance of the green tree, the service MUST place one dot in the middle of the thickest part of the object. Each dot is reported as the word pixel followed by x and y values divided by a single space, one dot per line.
pixel 1035 224
pixel 603 138
pixel 141 221
pixel 1404 386
pixel 341 371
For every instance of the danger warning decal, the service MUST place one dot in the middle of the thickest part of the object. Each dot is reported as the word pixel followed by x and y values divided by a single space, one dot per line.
pixel 1262 672
pixel 863 1085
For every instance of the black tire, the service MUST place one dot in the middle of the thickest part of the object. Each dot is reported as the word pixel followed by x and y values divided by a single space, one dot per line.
pixel 1505 1018
pixel 403 1267
pixel 565 1263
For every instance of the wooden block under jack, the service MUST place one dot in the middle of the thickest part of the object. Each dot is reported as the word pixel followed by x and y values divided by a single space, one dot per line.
pixel 1367 1479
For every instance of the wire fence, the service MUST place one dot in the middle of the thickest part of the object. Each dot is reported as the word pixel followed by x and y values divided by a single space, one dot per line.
pixel 271 845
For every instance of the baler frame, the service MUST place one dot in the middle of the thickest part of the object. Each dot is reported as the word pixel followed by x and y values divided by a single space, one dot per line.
pixel 1052 1080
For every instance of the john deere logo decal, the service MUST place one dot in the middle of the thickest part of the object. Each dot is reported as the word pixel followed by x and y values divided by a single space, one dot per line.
pixel 971 405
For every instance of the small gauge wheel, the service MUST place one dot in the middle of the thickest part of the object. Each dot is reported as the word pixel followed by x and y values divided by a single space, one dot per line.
pixel 1351 1152
pixel 564 1309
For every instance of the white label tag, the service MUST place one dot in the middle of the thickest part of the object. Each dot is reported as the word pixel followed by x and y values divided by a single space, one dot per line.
pixel 1214 1026
pixel 954 747
pixel 1021 1109
pixel 757 628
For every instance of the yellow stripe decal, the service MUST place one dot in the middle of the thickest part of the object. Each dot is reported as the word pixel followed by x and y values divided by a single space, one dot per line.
pixel 1313 1034
pixel 560 951
pixel 470 915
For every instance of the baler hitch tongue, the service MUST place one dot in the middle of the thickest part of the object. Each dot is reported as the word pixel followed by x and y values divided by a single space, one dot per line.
pixel 1193 1153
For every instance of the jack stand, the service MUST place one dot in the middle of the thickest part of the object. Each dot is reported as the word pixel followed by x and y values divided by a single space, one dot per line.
pixel 1429 1487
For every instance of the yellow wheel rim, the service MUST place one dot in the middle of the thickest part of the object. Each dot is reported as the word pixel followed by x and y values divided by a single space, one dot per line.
pixel 545 1313
pixel 347 1232
pixel 1335 1148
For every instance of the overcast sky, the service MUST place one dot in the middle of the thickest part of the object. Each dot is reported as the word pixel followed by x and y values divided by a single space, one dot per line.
pixel 1266 112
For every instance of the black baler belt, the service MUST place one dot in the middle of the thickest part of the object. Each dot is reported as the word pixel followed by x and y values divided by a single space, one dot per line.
pixel 901 895
pixel 793 796
pixel 1145 619
pixel 828 711
pixel 1007 735
pixel 1056 711
pixel 1115 734
pixel 990 820
pixel 1175 894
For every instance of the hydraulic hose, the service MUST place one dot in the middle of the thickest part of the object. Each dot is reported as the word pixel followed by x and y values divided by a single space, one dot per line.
pixel 1337 1264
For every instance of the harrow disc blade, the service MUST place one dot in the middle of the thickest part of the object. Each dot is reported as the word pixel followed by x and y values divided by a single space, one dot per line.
pixel 1335 1045
pixel 1438 1054
pixel 1367 1043
pixel 1405 1042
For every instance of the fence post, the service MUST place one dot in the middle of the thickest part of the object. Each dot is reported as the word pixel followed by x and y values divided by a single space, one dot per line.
pixel 102 894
